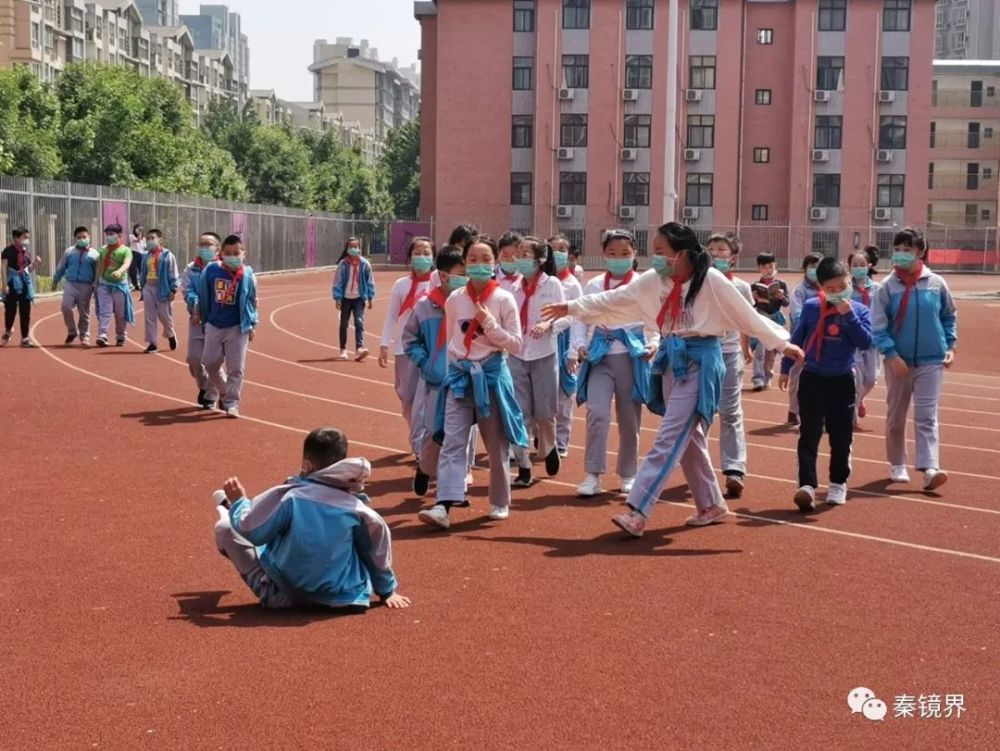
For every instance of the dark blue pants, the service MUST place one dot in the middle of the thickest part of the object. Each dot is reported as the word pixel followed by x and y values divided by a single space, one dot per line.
pixel 357 309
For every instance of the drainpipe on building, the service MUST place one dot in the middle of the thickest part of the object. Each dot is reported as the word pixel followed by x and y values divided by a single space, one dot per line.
pixel 670 153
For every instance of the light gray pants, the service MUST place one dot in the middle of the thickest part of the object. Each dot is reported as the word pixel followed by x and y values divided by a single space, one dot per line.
pixel 156 310
pixel 763 364
pixel 536 385
pixel 430 452
pixel 453 464
pixel 244 557
pixel 680 440
pixel 228 345
pixel 793 388
pixel 195 353
pixel 111 302
pixel 732 438
pixel 866 367
pixel 612 377
pixel 77 297
pixel 564 420
pixel 923 384
pixel 411 396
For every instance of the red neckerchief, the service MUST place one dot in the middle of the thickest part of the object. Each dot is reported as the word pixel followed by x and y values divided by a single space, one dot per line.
pixel 529 291
pixel 768 280
pixel 200 264
pixel 481 299
pixel 565 274
pixel 625 279
pixel 729 274
pixel 672 303
pixel 107 258
pixel 411 296
pixel 865 294
pixel 355 264
pixel 510 278
pixel 909 280
pixel 438 297
pixel 237 277
pixel 21 257
pixel 816 340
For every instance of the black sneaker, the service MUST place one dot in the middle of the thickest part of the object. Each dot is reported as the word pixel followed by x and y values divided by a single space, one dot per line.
pixel 27 343
pixel 523 479
pixel 552 462
pixel 758 388
pixel 200 401
pixel 420 483
pixel 119 342
pixel 793 419
pixel 4 338
pixel 151 349
pixel 102 341
pixel 70 339
pixel 173 343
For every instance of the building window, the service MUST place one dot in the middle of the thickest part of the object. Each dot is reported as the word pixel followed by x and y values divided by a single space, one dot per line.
pixel 36 36
pixel 639 72
pixel 987 173
pixel 832 15
pixel 576 71
pixel 573 188
pixel 520 188
pixel 976 94
pixel 973 136
pixel 971 214
pixel 890 191
pixel 985 215
pixel 896 15
pixel 701 71
pixel 523 73
pixel 522 132
pixel 701 132
pixel 829 129
pixel 705 14
pixel 761 155
pixel 972 176
pixel 636 134
pixel 638 14
pixel 765 36
pixel 641 242
pixel 826 190
pixel 524 15
pixel 829 73
pixel 930 176
pixel 635 189
pixel 826 244
pixel 933 134
pixel 699 189
pixel 762 96
pixel 892 132
pixel 758 212
pixel 573 131
pixel 895 73
pixel 576 14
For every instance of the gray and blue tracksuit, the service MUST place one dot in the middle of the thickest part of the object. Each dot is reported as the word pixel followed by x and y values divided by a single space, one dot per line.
pixel 78 267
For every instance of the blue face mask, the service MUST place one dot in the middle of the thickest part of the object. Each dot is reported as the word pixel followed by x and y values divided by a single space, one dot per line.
pixel 663 265
pixel 903 259
pixel 83 244
pixel 811 274
pixel 456 282
pixel 206 254
pixel 508 267
pixel 354 251
pixel 835 298
pixel 421 264
pixel 619 266
pixel 111 239
pixel 860 273
pixel 479 272
pixel 152 245
pixel 561 258
pixel 233 262
pixel 722 264
pixel 527 267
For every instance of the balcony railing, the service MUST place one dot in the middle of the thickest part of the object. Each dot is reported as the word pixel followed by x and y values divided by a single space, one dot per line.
pixel 960 181
pixel 960 140
pixel 965 98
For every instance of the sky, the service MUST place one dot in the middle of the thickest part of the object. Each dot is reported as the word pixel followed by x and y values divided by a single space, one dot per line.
pixel 282 33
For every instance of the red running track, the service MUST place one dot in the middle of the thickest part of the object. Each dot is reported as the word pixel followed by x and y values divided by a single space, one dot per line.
pixel 122 627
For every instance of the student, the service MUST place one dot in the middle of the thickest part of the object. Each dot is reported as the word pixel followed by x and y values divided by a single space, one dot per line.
pixel 507 274
pixel 158 280
pixel 353 287
pixel 406 292
pixel 614 365
pixel 806 290
pixel 137 244
pixel 692 305
pixel 770 295
pixel 566 355
pixel 482 323
pixel 78 267
pixel 574 262
pixel 209 244
pixel 311 540
pixel 724 248
pixel 113 297
pixel 227 307
pixel 866 366
pixel 915 326
pixel 832 328
pixel 534 367
pixel 19 289
pixel 425 338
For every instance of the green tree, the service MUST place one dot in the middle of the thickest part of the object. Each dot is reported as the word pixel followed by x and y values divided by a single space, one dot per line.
pixel 277 168
pixel 29 124
pixel 368 195
pixel 400 168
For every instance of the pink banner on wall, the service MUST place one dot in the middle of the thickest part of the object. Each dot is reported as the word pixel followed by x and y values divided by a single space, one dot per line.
pixel 400 235
pixel 239 226
pixel 311 242
pixel 116 212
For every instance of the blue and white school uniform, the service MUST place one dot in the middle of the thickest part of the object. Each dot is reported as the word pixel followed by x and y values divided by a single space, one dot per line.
pixel 353 288
pixel 868 363
pixel 158 285
pixel 688 373
pixel 189 285
pixel 229 314
pixel 800 296
pixel 78 270
pixel 566 355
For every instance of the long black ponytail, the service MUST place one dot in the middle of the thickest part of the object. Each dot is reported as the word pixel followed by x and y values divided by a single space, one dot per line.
pixel 543 254
pixel 682 239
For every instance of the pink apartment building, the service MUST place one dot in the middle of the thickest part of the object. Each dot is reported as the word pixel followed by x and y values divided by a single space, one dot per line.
pixel 800 123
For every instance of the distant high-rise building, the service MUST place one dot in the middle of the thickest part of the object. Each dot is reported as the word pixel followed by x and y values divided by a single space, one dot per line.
pixel 158 12
pixel 215 27
pixel 967 30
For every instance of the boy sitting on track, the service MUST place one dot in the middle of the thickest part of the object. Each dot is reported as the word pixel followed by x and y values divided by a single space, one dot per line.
pixel 312 540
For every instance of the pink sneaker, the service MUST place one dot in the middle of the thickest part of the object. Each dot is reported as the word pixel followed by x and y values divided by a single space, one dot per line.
pixel 712 515
pixel 631 522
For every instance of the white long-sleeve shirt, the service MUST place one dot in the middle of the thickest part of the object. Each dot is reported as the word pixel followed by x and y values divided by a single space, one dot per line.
pixel 583 332
pixel 572 289
pixel 731 341
pixel 718 308
pixel 509 283
pixel 550 290
pixel 392 329
pixel 500 332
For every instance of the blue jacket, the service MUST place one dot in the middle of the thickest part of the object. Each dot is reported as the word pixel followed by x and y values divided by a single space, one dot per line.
pixel 802 294
pixel 420 337
pixel 931 325
pixel 77 267
pixel 366 280
pixel 490 385
pixel 567 381
pixel 600 343
pixel 318 540
pixel 166 274
pixel 871 285
pixel 844 336
pixel 676 353
pixel 247 302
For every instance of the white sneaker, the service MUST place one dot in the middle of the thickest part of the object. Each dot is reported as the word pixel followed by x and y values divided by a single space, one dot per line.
pixel 805 498
pixel 899 474
pixel 627 484
pixel 590 486
pixel 343 355
pixel 934 478
pixel 436 516
pixel 468 481
pixel 499 513
pixel 836 494
pixel 232 413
